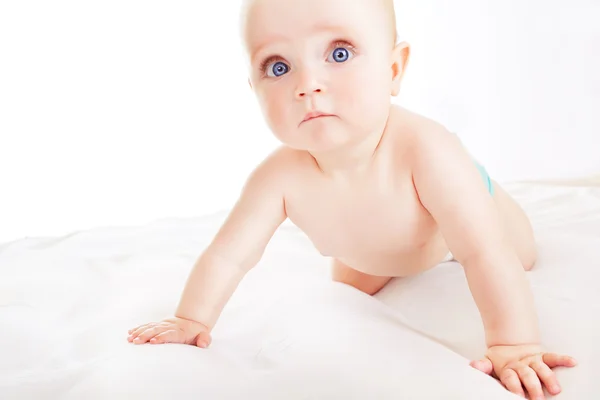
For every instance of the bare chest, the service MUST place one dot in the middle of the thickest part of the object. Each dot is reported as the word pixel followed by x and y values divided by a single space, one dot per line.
pixel 370 223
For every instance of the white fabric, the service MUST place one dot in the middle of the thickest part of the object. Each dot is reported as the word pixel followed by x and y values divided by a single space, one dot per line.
pixel 289 332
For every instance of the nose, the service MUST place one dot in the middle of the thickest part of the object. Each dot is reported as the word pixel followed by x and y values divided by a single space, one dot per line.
pixel 308 85
pixel 302 93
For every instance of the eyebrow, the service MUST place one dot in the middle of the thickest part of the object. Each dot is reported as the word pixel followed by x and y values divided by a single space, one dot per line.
pixel 316 28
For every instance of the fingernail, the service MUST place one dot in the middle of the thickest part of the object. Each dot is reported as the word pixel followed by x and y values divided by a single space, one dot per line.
pixel 203 344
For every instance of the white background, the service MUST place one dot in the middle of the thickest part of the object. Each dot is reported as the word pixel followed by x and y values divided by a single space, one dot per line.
pixel 122 112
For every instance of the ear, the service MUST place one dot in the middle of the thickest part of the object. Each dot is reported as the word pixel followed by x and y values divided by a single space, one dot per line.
pixel 400 56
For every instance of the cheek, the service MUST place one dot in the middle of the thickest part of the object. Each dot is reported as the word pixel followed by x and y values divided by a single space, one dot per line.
pixel 275 109
pixel 364 92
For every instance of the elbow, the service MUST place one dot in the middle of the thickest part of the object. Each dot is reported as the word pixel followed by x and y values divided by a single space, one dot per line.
pixel 480 247
pixel 487 257
pixel 250 262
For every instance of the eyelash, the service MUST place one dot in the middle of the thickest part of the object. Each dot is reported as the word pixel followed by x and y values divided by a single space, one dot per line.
pixel 335 45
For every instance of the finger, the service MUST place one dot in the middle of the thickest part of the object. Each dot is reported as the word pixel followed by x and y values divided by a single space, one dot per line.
pixel 148 334
pixel 484 365
pixel 203 340
pixel 546 376
pixel 510 379
pixel 531 382
pixel 169 336
pixel 134 333
pixel 132 330
pixel 139 330
pixel 137 327
pixel 556 360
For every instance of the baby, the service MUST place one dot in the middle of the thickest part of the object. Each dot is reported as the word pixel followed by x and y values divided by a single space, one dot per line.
pixel 382 191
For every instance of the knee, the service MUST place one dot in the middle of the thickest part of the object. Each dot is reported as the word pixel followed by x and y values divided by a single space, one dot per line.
pixel 529 259
pixel 368 286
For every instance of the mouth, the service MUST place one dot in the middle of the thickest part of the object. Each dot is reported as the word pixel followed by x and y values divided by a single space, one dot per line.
pixel 314 115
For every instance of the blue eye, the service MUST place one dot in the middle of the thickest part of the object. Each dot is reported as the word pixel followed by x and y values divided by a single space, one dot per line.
pixel 340 55
pixel 277 69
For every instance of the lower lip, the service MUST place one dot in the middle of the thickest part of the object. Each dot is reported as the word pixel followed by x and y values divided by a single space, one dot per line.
pixel 320 116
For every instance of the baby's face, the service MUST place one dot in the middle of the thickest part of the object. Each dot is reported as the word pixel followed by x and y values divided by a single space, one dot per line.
pixel 333 57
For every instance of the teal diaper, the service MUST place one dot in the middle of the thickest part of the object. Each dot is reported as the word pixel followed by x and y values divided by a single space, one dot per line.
pixel 486 177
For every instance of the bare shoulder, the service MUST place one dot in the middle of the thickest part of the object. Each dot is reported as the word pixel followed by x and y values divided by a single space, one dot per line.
pixel 275 173
pixel 423 131
pixel 287 159
pixel 421 139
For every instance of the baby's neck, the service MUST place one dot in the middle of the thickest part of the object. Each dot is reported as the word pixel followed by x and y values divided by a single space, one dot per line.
pixel 351 161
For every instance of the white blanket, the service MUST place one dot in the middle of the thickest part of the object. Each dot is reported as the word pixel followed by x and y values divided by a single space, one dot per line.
pixel 66 304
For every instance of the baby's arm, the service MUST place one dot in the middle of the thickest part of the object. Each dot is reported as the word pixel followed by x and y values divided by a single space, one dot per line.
pixel 235 249
pixel 450 187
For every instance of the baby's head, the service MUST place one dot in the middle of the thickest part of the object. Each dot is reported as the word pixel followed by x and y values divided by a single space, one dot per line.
pixel 331 56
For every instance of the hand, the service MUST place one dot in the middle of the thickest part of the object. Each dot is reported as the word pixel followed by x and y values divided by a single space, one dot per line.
pixel 526 366
pixel 171 330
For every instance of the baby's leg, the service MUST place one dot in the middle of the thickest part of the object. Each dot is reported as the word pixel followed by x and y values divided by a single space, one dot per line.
pixel 518 227
pixel 369 284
